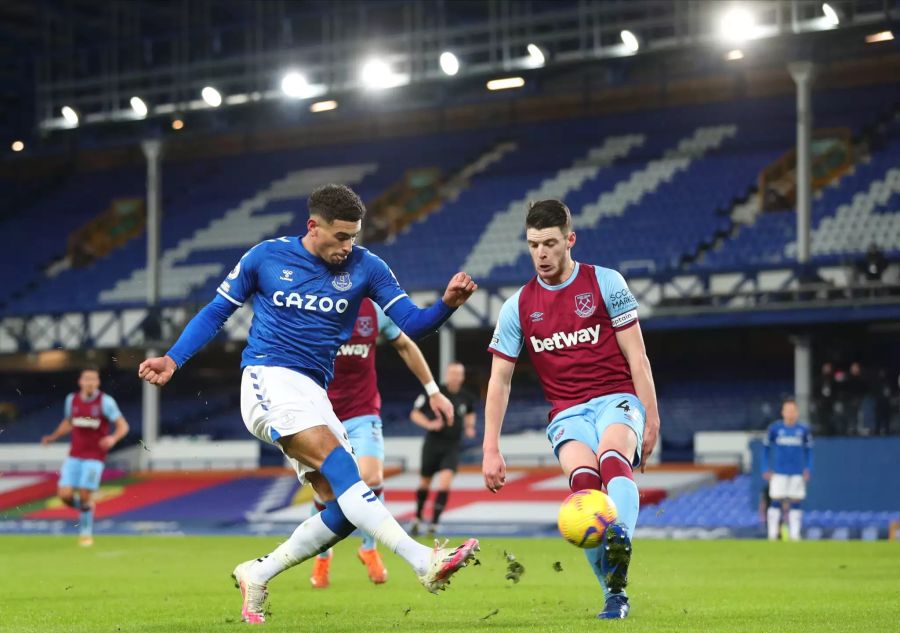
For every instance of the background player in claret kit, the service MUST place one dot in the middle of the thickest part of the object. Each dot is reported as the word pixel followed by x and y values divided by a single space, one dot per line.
pixel 357 404
pixel 306 295
pixel 440 451
pixel 581 328
pixel 787 464
pixel 87 416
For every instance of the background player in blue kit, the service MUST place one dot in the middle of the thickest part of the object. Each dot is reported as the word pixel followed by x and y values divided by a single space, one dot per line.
pixel 306 296
pixel 787 463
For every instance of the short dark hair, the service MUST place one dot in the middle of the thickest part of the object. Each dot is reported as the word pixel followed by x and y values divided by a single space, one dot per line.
pixel 92 368
pixel 545 214
pixel 336 202
pixel 788 400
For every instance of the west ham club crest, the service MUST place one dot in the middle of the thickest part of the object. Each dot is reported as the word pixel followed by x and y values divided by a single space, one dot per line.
pixel 584 304
pixel 365 325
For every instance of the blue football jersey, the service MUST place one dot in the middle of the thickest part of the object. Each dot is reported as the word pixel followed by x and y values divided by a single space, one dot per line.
pixel 304 309
pixel 788 448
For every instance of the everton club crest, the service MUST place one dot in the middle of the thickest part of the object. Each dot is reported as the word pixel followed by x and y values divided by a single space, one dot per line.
pixel 584 304
pixel 342 282
pixel 365 325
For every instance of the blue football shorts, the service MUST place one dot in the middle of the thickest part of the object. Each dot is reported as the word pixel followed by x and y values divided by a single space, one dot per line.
pixel 586 422
pixel 365 436
pixel 80 473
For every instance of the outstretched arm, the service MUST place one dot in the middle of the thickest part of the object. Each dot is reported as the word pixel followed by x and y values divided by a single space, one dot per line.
pixel 199 331
pixel 418 322
pixel 412 356
pixel 493 467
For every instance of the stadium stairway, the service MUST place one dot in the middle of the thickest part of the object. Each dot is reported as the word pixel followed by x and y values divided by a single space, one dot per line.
pixel 461 179
pixel 871 217
pixel 860 208
pixel 241 228
pixel 494 246
pixel 35 237
pixel 197 193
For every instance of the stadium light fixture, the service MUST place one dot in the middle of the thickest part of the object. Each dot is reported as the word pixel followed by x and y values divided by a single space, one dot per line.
pixel 630 41
pixel 323 106
pixel 17 146
pixel 449 63
pixel 177 124
pixel 737 25
pixel 70 116
pixel 377 74
pixel 881 36
pixel 734 55
pixel 138 107
pixel 211 96
pixel 832 17
pixel 505 83
pixel 536 57
pixel 295 85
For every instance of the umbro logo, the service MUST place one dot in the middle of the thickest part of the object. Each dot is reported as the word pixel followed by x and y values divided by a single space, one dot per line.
pixel 536 316
pixel 287 274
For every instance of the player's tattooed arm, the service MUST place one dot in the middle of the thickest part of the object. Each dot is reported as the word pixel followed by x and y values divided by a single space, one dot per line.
pixel 631 342
pixel 493 466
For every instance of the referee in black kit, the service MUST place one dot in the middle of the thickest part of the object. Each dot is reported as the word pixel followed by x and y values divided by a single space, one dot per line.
pixel 440 452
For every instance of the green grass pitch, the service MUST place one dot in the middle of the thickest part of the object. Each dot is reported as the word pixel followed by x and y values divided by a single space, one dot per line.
pixel 169 584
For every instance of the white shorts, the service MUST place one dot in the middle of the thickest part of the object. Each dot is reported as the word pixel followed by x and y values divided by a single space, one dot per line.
pixel 787 487
pixel 277 402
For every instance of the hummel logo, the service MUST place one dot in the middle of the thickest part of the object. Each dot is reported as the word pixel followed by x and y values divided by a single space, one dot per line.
pixel 287 275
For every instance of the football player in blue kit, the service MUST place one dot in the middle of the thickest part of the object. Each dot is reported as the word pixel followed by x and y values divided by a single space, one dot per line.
pixel 787 464
pixel 306 295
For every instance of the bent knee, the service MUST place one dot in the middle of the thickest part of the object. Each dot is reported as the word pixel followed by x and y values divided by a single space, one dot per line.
pixel 620 438
pixel 320 486
pixel 375 481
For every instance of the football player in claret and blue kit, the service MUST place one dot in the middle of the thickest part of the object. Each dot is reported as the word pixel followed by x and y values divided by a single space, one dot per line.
pixel 88 415
pixel 306 296
pixel 581 328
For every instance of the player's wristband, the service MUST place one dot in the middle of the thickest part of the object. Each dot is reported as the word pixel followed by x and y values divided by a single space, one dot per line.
pixel 431 388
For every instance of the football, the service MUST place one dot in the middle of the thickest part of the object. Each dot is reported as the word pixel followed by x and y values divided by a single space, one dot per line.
pixel 584 517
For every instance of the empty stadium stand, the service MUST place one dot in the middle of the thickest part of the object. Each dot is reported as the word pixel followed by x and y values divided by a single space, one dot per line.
pixel 647 192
